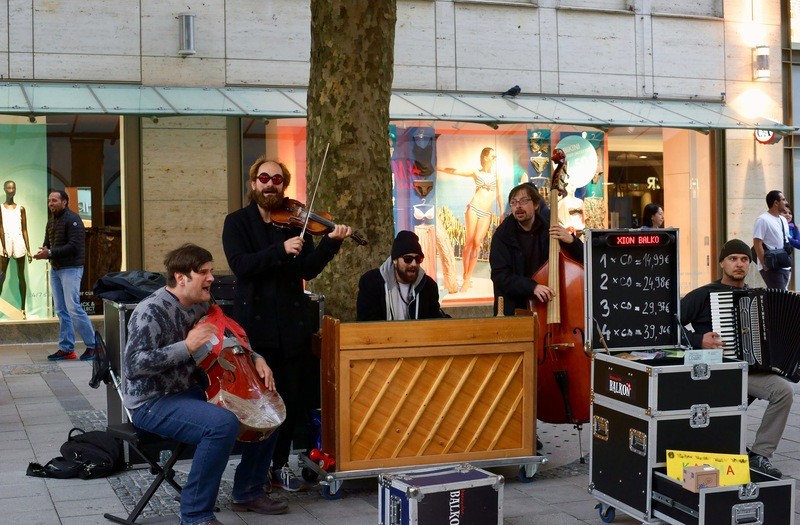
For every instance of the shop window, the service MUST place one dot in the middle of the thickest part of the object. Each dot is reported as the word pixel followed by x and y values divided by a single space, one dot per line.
pixel 445 174
pixel 79 154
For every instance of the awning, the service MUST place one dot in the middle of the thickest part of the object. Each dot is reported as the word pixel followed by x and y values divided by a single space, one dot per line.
pixel 33 99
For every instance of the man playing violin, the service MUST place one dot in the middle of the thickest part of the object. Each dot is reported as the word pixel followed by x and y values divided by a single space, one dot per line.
pixel 165 389
pixel 270 263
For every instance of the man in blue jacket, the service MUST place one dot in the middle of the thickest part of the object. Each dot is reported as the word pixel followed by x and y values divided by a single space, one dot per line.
pixel 64 244
pixel 270 263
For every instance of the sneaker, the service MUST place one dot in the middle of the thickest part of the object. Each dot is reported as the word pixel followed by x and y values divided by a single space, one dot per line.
pixel 286 479
pixel 61 355
pixel 762 464
pixel 88 355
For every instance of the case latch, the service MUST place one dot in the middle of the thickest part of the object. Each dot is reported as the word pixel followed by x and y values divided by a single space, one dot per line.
pixel 699 416
pixel 700 371
pixel 600 428
pixel 637 442
pixel 748 491
pixel 749 513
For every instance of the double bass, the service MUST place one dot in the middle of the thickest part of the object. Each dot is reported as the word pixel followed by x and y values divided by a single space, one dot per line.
pixel 563 364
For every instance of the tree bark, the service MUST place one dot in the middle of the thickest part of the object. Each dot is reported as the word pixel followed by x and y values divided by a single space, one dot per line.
pixel 352 67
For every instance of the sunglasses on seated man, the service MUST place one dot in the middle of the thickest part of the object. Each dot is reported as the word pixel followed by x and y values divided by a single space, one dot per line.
pixel 408 258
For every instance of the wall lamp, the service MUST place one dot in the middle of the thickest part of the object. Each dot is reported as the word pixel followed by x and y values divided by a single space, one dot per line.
pixel 761 63
pixel 186 34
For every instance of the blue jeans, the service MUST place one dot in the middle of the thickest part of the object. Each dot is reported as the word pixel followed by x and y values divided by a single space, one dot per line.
pixel 251 474
pixel 66 286
pixel 189 418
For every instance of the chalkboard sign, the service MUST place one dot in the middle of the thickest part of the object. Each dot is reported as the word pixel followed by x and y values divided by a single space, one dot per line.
pixel 632 286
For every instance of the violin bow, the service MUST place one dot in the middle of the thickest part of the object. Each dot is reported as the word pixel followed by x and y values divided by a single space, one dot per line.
pixel 314 195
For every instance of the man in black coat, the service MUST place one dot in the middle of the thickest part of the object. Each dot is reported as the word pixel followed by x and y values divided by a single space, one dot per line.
pixel 270 264
pixel 64 245
pixel 520 246
pixel 399 288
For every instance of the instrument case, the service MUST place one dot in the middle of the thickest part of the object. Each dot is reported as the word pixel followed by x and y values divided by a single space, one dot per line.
pixel 642 408
pixel 459 494
pixel 765 501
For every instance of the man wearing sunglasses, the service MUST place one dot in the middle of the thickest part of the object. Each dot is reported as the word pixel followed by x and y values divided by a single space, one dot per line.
pixel 520 246
pixel 399 288
pixel 270 263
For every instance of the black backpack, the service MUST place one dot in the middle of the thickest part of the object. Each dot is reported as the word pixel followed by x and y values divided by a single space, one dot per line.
pixel 86 455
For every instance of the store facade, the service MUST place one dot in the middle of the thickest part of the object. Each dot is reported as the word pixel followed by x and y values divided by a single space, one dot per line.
pixel 153 161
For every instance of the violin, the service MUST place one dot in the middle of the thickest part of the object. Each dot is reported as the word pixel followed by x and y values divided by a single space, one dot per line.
pixel 293 213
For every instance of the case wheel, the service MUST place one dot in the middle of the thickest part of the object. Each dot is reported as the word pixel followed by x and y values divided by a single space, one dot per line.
pixel 527 472
pixel 332 493
pixel 607 513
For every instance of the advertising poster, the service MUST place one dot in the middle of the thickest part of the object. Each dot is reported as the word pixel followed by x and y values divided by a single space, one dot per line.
pixel 23 167
pixel 584 168
pixel 474 174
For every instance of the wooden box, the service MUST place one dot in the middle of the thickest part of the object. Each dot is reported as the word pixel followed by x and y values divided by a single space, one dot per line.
pixel 406 393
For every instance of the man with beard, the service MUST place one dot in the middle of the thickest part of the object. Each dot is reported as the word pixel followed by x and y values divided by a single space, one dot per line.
pixel 64 245
pixel 270 264
pixel 734 261
pixel 399 288
pixel 520 246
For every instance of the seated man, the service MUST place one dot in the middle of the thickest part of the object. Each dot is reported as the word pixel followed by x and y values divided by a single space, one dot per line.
pixel 734 260
pixel 399 288
pixel 165 390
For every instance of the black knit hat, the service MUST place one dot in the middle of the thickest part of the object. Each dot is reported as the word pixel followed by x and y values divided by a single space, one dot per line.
pixel 734 246
pixel 406 242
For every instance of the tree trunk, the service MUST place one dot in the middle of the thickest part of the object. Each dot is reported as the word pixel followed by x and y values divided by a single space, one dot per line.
pixel 352 63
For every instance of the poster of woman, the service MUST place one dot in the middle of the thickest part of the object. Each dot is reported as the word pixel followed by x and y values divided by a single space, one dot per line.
pixel 474 173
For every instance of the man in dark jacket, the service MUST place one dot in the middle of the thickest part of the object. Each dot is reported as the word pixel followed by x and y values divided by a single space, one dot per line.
pixel 270 264
pixel 64 243
pixel 734 261
pixel 520 246
pixel 399 288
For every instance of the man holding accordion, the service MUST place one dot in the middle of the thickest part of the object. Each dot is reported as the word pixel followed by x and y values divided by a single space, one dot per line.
pixel 696 309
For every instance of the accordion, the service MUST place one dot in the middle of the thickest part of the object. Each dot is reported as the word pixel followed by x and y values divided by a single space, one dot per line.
pixel 760 326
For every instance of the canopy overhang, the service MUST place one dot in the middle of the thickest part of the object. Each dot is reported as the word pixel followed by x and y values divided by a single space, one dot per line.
pixel 34 99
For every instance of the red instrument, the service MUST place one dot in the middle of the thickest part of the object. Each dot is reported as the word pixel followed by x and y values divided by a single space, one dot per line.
pixel 293 213
pixel 234 382
pixel 564 367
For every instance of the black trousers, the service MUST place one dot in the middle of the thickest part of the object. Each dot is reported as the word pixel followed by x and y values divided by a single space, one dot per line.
pixel 298 382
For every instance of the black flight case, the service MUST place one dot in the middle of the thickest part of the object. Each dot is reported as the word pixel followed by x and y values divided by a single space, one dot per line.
pixel 641 408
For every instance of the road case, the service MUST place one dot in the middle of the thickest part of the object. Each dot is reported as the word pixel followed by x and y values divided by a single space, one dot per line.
pixel 459 494
pixel 764 501
pixel 642 408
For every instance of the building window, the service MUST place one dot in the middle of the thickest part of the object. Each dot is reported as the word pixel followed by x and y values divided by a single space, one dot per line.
pixel 79 154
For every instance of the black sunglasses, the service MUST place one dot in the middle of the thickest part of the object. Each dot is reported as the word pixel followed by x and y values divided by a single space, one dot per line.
pixel 276 179
pixel 408 258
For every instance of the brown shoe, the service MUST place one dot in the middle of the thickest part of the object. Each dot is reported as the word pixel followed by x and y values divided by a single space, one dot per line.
pixel 261 505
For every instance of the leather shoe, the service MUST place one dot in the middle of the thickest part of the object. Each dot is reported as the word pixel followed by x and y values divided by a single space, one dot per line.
pixel 261 505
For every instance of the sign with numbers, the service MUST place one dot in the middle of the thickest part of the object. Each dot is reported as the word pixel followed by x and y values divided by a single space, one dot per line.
pixel 632 288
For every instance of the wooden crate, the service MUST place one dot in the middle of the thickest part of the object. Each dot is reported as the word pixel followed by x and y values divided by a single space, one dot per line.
pixel 424 392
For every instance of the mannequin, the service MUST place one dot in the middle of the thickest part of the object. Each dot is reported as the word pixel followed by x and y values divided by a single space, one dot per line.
pixel 14 239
